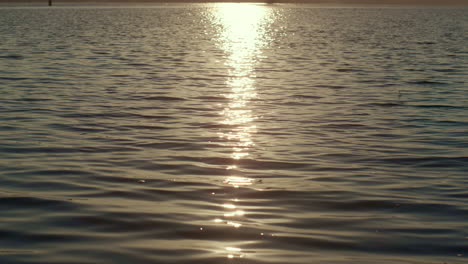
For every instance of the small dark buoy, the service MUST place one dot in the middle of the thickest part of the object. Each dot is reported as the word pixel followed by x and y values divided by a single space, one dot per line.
pixel 50 2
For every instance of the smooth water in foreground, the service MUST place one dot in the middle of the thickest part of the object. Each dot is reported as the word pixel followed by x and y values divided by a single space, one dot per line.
pixel 233 133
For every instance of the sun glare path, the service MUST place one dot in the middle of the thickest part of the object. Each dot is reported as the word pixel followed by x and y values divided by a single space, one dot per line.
pixel 241 36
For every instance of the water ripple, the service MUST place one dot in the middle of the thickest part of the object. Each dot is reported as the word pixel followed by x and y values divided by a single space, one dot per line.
pixel 233 133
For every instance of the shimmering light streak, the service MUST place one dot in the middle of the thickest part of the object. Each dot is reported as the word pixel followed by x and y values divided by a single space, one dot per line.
pixel 242 37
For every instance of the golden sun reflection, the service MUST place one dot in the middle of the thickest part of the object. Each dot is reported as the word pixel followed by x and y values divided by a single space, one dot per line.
pixel 242 37
pixel 229 206
pixel 234 252
pixel 237 181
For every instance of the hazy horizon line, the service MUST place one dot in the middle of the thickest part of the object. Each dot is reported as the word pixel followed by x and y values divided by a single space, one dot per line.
pixel 340 2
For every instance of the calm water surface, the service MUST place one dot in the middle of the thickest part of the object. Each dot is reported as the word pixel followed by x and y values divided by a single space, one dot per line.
pixel 233 133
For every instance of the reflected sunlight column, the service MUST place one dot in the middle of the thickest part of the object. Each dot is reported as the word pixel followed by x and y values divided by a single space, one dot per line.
pixel 242 36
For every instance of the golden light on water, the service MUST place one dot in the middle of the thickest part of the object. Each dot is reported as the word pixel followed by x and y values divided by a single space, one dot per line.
pixel 234 252
pixel 242 37
pixel 229 206
pixel 235 213
pixel 243 29
pixel 237 181
pixel 233 249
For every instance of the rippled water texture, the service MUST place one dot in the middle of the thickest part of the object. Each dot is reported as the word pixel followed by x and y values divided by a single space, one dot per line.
pixel 233 133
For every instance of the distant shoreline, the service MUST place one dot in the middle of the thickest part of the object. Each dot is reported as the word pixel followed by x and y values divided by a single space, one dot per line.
pixel 327 2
